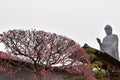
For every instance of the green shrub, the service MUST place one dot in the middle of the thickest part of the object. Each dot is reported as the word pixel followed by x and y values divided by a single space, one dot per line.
pixel 77 78
pixel 99 74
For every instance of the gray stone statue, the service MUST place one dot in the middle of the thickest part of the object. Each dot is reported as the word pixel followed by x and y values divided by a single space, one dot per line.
pixel 110 43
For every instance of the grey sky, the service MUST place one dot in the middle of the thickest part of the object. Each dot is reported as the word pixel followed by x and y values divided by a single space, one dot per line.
pixel 81 20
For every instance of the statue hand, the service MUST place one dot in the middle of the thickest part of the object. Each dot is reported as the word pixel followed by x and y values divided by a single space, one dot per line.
pixel 98 40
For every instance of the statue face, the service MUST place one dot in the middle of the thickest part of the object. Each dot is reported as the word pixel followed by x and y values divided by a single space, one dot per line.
pixel 108 31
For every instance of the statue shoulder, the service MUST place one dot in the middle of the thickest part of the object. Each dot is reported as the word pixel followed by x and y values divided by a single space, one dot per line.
pixel 115 35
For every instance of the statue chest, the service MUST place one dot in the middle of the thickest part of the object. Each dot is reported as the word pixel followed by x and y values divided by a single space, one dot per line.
pixel 108 41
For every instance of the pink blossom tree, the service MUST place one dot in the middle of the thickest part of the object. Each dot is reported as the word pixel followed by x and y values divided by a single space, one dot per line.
pixel 46 50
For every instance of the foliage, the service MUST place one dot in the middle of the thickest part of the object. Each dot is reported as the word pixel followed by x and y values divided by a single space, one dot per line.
pixel 90 52
pixel 77 78
pixel 98 74
pixel 45 50
pixel 96 65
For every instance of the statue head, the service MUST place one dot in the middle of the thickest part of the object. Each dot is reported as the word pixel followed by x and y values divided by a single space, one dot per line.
pixel 108 29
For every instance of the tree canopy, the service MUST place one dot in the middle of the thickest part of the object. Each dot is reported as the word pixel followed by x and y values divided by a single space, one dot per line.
pixel 47 50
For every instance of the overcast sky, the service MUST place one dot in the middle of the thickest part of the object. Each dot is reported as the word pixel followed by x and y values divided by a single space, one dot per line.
pixel 81 20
